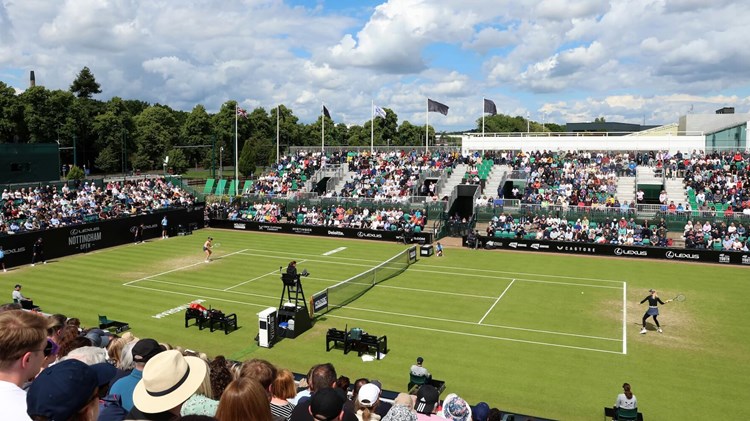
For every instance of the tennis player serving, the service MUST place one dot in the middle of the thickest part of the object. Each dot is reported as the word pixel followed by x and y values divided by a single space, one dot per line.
pixel 207 248
pixel 653 309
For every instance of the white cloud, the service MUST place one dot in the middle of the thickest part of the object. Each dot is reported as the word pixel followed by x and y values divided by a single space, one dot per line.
pixel 580 60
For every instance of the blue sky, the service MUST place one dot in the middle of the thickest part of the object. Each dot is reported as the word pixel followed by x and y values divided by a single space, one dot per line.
pixel 553 59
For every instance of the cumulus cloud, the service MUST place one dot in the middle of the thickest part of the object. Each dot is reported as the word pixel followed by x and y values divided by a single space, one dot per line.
pixel 571 61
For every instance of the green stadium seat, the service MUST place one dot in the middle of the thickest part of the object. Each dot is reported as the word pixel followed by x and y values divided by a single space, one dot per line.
pixel 247 186
pixel 209 188
pixel 221 187
pixel 232 188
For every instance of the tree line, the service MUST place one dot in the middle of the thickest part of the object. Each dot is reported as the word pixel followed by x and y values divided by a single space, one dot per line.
pixel 130 134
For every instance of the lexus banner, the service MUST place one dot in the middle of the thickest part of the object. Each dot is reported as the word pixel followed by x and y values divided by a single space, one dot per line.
pixel 366 234
pixel 631 252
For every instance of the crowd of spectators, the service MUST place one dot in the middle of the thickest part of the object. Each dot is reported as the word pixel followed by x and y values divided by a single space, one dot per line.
pixel 718 178
pixel 572 178
pixel 289 174
pixel 620 231
pixel 52 368
pixel 382 175
pixel 334 216
pixel 716 236
pixel 31 209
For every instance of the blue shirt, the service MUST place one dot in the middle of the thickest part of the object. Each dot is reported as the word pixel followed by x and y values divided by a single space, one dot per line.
pixel 125 387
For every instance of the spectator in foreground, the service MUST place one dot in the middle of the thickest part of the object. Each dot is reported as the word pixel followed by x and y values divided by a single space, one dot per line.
pixel 400 413
pixel 169 379
pixel 244 399
pixel 23 339
pixel 68 391
pixel 282 389
pixel 456 409
pixel 427 402
pixel 142 352
pixel 368 399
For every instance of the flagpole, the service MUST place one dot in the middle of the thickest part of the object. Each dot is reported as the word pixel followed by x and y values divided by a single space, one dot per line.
pixel 236 168
pixel 483 116
pixel 427 126
pixel 372 126
pixel 323 129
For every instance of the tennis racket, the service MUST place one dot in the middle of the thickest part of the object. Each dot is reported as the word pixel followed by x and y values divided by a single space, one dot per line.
pixel 679 298
pixel 215 245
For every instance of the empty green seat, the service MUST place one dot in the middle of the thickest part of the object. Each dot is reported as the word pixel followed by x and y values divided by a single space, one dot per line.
pixel 209 188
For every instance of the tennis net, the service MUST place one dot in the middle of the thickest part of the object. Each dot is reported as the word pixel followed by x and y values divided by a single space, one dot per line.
pixel 349 290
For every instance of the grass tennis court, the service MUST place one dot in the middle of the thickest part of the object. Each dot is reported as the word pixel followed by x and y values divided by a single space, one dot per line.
pixel 549 335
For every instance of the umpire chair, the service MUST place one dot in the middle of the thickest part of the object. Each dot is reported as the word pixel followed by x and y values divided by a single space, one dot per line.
pixel 293 306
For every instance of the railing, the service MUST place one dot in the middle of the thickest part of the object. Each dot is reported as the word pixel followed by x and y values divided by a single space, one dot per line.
pixel 599 214
pixel 574 134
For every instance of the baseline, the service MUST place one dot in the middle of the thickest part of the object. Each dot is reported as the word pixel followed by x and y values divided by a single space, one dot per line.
pixel 179 268
pixel 440 319
pixel 477 335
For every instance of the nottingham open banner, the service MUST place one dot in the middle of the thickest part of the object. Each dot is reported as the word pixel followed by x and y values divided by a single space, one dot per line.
pixel 628 252
pixel 74 239
pixel 366 234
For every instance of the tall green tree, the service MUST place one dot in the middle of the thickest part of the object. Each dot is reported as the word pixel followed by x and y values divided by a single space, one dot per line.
pixel 156 132
pixel 114 130
pixel 289 128
pixel 85 85
pixel 411 135
pixel 11 115
pixel 196 133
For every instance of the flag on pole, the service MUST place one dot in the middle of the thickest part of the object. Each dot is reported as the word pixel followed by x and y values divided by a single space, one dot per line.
pixel 325 112
pixel 437 107
pixel 489 107
pixel 242 113
pixel 379 112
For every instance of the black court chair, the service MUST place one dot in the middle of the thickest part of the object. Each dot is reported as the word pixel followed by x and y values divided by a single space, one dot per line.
pixel 622 414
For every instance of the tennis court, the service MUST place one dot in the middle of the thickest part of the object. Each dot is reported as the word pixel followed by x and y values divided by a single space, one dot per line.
pixel 515 329
pixel 539 309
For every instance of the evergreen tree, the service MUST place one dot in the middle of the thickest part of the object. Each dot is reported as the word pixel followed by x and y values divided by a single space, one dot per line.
pixel 85 85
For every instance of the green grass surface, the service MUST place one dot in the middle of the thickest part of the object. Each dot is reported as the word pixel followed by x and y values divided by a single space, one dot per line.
pixel 533 333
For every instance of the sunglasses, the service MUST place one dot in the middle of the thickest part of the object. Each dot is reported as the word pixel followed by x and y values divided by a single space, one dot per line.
pixel 51 348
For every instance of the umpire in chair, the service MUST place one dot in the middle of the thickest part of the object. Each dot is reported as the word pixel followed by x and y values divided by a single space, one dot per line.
pixel 291 270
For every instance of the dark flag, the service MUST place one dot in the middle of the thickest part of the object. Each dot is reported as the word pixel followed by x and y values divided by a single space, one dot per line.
pixel 489 107
pixel 437 107
pixel 325 112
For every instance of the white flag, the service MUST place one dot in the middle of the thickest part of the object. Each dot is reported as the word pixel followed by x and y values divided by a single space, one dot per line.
pixel 379 112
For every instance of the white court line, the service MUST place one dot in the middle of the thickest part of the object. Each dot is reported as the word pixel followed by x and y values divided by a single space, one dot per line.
pixel 203 296
pixel 476 335
pixel 448 267
pixel 328 253
pixel 517 279
pixel 624 317
pixel 271 256
pixel 523 329
pixel 532 274
pixel 179 268
pixel 315 255
pixel 391 324
pixel 496 301
pixel 206 288
pixel 255 279
pixel 411 269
